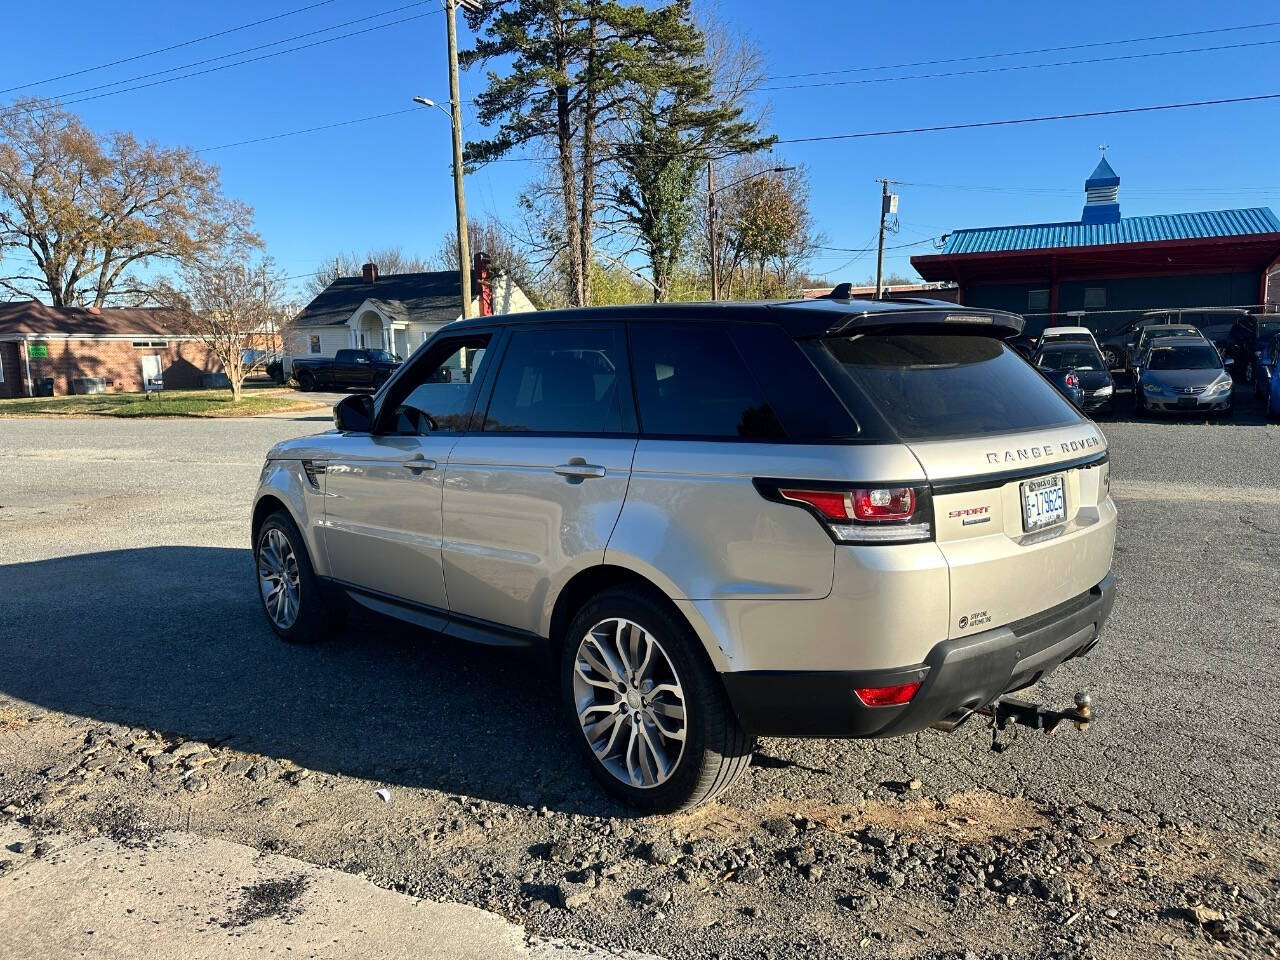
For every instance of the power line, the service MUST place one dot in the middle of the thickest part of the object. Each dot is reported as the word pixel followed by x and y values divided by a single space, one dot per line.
pixel 239 63
pixel 1009 68
pixel 295 133
pixel 1026 53
pixel 172 46
pixel 1121 111
pixel 254 49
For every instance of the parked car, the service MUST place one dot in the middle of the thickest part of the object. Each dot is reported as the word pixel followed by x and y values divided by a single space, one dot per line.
pixel 1079 372
pixel 1249 337
pixel 1067 335
pixel 1266 381
pixel 1183 375
pixel 822 518
pixel 1148 335
pixel 348 369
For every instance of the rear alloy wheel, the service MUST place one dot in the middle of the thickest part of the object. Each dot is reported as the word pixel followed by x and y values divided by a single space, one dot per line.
pixel 652 717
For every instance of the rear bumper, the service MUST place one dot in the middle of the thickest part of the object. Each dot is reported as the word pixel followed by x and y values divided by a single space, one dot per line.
pixel 956 677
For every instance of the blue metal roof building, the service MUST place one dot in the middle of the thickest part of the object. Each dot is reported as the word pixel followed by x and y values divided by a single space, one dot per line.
pixel 1106 267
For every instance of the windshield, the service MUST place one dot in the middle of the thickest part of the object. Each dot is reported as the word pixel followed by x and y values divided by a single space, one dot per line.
pixel 1071 360
pixel 382 356
pixel 945 386
pixel 1193 356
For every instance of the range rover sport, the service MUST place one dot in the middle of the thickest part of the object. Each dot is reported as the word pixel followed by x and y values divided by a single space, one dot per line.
pixel 828 518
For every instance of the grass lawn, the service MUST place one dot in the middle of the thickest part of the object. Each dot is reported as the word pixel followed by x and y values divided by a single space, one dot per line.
pixel 165 403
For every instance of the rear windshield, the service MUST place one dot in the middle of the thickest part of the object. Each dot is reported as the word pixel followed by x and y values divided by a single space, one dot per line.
pixel 1195 356
pixel 935 387
pixel 1071 360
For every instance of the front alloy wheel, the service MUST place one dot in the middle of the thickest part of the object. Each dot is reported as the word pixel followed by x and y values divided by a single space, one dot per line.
pixel 631 707
pixel 278 578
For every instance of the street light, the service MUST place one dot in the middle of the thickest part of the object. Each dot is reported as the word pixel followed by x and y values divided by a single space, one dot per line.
pixel 428 102
pixel 459 197
pixel 712 190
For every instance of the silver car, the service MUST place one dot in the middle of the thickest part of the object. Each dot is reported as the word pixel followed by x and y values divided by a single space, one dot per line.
pixel 1183 375
pixel 827 518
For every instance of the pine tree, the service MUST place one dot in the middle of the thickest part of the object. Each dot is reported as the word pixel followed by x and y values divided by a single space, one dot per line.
pixel 573 69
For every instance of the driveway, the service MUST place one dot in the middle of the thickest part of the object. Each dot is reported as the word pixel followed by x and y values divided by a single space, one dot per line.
pixel 143 689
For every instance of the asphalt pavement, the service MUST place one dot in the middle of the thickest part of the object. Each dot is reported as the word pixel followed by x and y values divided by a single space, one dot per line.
pixel 127 605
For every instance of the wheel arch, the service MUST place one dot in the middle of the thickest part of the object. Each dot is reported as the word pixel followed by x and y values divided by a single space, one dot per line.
pixel 591 581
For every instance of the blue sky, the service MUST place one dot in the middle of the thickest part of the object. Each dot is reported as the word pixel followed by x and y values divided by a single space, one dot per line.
pixel 387 181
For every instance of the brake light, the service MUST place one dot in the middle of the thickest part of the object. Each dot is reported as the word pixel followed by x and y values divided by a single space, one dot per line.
pixel 864 514
pixel 1072 380
pixel 888 696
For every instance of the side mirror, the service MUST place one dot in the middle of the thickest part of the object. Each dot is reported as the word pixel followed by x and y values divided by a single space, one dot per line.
pixel 1229 362
pixel 354 414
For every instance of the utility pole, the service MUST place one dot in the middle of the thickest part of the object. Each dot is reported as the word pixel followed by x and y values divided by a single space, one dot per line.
pixel 711 228
pixel 888 205
pixel 459 198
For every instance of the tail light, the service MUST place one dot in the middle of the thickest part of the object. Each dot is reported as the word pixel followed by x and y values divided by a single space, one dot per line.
pixel 1073 381
pixel 861 514
pixel 893 696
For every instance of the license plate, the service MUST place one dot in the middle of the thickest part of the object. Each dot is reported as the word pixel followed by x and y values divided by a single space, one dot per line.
pixel 1044 503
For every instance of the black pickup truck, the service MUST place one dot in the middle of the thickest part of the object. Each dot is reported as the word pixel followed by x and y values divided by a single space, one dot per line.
pixel 348 370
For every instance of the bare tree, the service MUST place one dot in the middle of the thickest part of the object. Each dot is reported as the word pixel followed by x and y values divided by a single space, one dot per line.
pixel 390 260
pixel 234 303
pixel 85 209
pixel 492 237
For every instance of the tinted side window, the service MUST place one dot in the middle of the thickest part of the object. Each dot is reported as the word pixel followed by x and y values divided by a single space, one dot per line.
pixel 437 395
pixel 562 380
pixel 692 381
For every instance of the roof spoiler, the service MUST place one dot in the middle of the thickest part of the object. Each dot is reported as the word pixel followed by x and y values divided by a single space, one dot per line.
pixel 990 323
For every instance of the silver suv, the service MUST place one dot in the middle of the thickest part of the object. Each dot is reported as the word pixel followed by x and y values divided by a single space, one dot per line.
pixel 827 518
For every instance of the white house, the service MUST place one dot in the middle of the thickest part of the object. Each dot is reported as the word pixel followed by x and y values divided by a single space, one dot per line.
pixel 397 312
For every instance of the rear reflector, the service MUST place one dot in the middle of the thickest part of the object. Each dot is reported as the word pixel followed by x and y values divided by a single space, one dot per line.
pixel 888 696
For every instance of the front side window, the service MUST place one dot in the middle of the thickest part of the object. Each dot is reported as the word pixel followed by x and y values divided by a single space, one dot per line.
pixel 437 394
pixel 937 387
pixel 562 380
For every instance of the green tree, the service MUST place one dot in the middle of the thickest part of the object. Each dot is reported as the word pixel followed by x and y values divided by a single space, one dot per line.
pixel 570 67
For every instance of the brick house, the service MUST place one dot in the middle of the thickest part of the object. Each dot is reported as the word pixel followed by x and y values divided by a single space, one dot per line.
pixel 90 350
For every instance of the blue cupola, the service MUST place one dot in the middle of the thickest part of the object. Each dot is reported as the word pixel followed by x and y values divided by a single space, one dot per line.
pixel 1102 195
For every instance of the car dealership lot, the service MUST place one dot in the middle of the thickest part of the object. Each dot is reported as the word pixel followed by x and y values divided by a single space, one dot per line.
pixel 126 599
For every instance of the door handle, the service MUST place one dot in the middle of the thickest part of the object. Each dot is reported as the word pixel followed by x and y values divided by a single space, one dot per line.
pixel 419 463
pixel 579 469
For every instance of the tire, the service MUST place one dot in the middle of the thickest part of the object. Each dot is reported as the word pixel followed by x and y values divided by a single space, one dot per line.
pixel 306 381
pixel 314 616
pixel 715 751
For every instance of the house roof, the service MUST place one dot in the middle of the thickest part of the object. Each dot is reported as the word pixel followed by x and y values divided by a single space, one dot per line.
pixel 430 296
pixel 1213 224
pixel 36 318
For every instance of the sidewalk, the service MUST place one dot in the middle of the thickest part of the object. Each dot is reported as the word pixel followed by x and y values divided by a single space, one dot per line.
pixel 184 898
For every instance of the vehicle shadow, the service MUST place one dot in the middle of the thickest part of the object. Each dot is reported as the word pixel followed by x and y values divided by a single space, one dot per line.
pixel 173 639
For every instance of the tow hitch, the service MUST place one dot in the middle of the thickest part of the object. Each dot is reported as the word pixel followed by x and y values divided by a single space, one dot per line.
pixel 1007 711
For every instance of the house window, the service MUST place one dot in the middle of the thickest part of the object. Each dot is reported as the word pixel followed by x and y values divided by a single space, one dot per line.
pixel 148 344
pixel 1095 297
pixel 313 344
pixel 1037 300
